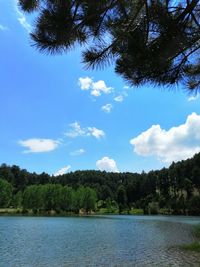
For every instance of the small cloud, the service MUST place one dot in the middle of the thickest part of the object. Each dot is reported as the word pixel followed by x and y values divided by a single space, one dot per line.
pixel 3 28
pixel 107 164
pixel 35 145
pixel 100 87
pixel 96 88
pixel 76 131
pixel 78 152
pixel 92 131
pixel 119 98
pixel 126 87
pixel 22 19
pixel 95 93
pixel 178 143
pixel 85 83
pixel 62 170
pixel 107 108
pixel 193 98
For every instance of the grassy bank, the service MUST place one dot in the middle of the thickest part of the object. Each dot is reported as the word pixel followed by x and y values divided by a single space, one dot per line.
pixel 29 212
pixel 195 246
pixel 102 211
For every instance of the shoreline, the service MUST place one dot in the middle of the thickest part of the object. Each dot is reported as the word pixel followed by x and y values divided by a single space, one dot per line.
pixel 194 246
pixel 53 213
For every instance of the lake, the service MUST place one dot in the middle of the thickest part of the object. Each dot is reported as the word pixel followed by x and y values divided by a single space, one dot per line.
pixel 96 241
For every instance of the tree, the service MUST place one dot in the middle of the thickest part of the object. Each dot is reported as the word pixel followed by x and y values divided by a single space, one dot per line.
pixel 17 200
pixel 194 205
pixel 5 193
pixel 89 199
pixel 121 198
pixel 85 199
pixel 34 197
pixel 52 196
pixel 66 198
pixel 149 41
pixel 188 186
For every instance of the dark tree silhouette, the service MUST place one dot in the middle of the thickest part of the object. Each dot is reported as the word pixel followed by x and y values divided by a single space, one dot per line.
pixel 147 40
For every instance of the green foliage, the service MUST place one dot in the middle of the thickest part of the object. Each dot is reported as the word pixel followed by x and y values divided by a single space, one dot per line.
pixel 121 198
pixel 59 198
pixel 176 190
pixel 193 247
pixel 33 197
pixel 194 205
pixel 148 41
pixel 5 193
pixel 17 200
pixel 136 212
pixel 86 198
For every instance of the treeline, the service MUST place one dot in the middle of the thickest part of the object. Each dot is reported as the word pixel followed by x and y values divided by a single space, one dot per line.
pixel 49 197
pixel 174 190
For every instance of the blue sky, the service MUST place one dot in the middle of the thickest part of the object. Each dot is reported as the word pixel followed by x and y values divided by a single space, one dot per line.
pixel 57 116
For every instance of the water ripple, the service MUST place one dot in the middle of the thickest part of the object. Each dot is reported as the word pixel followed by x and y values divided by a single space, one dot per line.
pixel 109 241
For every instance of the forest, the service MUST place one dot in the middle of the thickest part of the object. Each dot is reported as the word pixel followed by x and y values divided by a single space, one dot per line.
pixel 173 190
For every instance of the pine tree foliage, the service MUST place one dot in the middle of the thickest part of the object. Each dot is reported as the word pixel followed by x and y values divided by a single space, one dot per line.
pixel 147 40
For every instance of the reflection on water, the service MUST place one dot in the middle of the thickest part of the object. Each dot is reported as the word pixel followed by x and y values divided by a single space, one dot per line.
pixel 97 241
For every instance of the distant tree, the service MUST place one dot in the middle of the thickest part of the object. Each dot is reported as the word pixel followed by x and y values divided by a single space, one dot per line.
pixel 86 199
pixel 188 186
pixel 163 182
pixel 52 196
pixel 194 205
pixel 66 198
pixel 17 200
pixel 196 176
pixel 89 200
pixel 6 173
pixel 5 193
pixel 105 192
pixel 156 41
pixel 33 197
pixel 121 198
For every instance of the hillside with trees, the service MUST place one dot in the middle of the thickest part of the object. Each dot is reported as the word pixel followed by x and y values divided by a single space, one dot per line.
pixel 173 190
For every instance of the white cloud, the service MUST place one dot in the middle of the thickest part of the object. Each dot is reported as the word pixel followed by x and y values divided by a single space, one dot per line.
pixel 78 152
pixel 92 131
pixel 95 93
pixel 22 19
pixel 176 144
pixel 76 130
pixel 85 83
pixel 107 164
pixel 35 145
pixel 96 88
pixel 107 108
pixel 193 98
pixel 62 170
pixel 101 87
pixel 119 98
pixel 3 28
pixel 126 87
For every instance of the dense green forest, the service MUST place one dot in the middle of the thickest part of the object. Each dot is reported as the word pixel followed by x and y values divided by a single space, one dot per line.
pixel 173 190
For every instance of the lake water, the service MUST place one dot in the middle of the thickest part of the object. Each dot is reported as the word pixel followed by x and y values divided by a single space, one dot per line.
pixel 96 241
